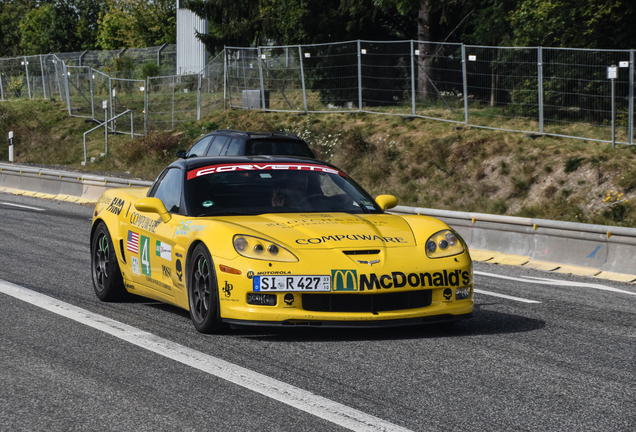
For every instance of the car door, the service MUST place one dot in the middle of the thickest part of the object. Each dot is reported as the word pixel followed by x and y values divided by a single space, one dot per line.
pixel 151 248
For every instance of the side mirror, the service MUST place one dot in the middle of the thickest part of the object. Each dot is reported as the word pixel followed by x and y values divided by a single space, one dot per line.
pixel 181 154
pixel 386 201
pixel 153 205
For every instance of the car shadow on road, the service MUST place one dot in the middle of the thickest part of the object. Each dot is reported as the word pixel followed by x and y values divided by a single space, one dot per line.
pixel 484 322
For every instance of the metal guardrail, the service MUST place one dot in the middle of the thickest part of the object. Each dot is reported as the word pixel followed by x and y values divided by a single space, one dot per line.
pixel 585 249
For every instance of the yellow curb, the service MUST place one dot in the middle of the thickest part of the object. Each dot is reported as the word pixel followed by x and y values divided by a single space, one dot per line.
pixel 44 195
pixel 619 277
pixel 542 265
pixel 69 198
pixel 509 259
pixel 577 270
pixel 86 201
pixel 481 255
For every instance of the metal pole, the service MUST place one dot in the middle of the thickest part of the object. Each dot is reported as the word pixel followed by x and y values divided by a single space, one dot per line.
pixel 173 102
pixel 540 87
pixel 68 95
pixel 90 81
pixel 359 77
pixel 225 82
pixel 146 105
pixel 26 67
pixel 412 77
pixel 105 130
pixel 465 79
pixel 199 100
pixel 81 57
pixel 260 72
pixel 630 121
pixel 613 118
pixel 43 80
pixel 1 88
pixel 159 54
pixel 302 77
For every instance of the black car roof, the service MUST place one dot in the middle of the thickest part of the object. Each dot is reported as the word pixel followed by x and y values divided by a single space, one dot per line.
pixel 258 135
pixel 203 161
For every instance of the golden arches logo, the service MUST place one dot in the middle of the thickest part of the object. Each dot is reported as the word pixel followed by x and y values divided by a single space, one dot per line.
pixel 344 280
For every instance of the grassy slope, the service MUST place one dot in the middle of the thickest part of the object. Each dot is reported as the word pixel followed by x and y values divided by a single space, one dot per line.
pixel 423 162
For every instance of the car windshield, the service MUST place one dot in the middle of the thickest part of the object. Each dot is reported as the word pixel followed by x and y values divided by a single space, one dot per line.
pixel 231 189
pixel 277 147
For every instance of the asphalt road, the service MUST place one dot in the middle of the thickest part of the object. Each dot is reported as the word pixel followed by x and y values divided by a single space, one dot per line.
pixel 566 362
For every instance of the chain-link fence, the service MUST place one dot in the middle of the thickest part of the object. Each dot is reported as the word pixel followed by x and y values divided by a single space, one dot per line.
pixel 553 91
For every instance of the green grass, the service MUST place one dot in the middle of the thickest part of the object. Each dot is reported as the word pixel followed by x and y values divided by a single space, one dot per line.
pixel 425 163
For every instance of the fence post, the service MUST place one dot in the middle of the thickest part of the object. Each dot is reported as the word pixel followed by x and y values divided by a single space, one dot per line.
pixel 146 105
pixel 540 87
pixel 159 54
pixel 43 80
pixel 226 89
pixel 199 100
pixel 359 77
pixel 260 73
pixel 302 77
pixel 172 102
pixel 68 94
pixel 90 81
pixel 630 121
pixel 412 77
pixel 1 88
pixel 465 79
pixel 26 68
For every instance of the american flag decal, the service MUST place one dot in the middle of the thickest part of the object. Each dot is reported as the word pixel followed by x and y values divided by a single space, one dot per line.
pixel 132 244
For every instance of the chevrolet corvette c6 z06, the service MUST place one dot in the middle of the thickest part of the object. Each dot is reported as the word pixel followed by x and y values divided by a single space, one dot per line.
pixel 276 241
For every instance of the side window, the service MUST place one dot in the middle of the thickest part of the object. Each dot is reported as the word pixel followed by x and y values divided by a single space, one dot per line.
pixel 199 148
pixel 234 147
pixel 217 145
pixel 169 190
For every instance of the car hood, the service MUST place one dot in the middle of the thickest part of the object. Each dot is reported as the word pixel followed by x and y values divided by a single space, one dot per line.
pixel 328 231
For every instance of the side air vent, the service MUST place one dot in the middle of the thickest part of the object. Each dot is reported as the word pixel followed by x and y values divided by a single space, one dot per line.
pixel 121 248
pixel 362 252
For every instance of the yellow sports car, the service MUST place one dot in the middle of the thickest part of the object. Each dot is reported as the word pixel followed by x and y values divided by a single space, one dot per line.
pixel 276 241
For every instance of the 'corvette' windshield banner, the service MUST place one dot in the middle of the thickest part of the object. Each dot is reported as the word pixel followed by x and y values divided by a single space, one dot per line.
pixel 260 167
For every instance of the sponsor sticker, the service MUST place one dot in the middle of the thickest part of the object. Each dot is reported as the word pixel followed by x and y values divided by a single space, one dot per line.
pixel 261 167
pixel 145 256
pixel 135 265
pixel 164 250
pixel 116 206
pixel 344 280
pixel 132 243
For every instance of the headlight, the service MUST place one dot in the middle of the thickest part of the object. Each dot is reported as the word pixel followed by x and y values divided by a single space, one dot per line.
pixel 257 248
pixel 443 244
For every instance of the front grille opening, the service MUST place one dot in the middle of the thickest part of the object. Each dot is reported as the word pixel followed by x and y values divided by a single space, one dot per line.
pixel 367 302
pixel 362 252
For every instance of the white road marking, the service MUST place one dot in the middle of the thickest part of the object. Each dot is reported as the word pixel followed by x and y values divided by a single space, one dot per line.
pixel 478 291
pixel 22 206
pixel 556 282
pixel 303 400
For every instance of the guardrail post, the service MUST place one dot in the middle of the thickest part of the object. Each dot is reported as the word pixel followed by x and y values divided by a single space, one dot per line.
pixel 302 77
pixel 359 77
pixel 540 87
pixel 465 79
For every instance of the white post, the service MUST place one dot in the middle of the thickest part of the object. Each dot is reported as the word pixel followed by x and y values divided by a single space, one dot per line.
pixel 11 146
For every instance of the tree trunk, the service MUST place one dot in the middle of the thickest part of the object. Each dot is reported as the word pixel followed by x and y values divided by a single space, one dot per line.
pixel 425 58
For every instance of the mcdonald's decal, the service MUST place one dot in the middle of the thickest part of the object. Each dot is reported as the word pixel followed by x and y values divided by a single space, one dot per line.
pixel 344 280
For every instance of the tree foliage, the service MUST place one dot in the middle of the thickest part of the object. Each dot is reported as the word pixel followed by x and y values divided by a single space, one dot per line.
pixel 136 23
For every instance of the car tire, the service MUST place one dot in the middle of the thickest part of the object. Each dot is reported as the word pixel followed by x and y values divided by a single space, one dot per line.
pixel 203 291
pixel 107 280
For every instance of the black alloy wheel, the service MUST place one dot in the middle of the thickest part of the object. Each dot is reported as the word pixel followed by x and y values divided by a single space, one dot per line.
pixel 202 291
pixel 107 279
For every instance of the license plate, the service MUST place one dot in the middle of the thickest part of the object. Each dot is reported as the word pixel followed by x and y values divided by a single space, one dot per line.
pixel 291 283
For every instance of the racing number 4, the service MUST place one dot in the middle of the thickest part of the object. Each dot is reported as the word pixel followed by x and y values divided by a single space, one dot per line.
pixel 145 253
